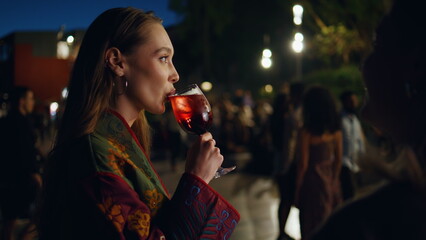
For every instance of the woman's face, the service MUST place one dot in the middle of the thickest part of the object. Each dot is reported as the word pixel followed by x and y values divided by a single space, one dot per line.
pixel 150 72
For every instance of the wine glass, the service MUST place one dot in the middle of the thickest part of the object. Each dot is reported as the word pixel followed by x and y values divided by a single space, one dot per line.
pixel 193 113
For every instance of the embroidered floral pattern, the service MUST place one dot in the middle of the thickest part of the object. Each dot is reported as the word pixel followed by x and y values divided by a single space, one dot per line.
pixel 113 213
pixel 154 200
pixel 118 158
pixel 139 222
pixel 115 163
pixel 118 149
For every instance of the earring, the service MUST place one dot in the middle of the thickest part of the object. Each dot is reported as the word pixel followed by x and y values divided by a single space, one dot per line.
pixel 125 83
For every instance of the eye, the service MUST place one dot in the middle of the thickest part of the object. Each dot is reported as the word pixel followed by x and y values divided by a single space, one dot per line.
pixel 163 59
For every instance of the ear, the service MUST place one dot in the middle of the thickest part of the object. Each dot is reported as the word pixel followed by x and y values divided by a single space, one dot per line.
pixel 115 61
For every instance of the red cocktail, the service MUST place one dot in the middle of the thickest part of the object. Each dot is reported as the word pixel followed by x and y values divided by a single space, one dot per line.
pixel 192 112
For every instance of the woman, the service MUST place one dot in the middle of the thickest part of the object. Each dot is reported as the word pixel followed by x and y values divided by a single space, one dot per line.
pixel 320 151
pixel 395 79
pixel 100 183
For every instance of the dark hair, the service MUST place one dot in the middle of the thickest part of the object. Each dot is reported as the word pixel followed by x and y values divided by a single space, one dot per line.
pixel 345 95
pixel 91 94
pixel 281 107
pixel 17 94
pixel 319 111
pixel 91 90
pixel 296 92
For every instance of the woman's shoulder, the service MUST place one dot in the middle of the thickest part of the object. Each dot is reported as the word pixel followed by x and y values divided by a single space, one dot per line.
pixel 394 210
pixel 98 143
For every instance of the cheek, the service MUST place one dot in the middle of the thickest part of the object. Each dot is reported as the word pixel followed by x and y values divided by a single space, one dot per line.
pixel 149 94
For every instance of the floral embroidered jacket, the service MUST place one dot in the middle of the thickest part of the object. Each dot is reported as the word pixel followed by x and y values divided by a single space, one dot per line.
pixel 113 192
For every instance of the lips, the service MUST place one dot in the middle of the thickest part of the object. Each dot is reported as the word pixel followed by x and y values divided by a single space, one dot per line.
pixel 171 93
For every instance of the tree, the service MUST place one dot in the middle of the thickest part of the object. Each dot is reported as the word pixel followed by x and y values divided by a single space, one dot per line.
pixel 222 40
pixel 343 29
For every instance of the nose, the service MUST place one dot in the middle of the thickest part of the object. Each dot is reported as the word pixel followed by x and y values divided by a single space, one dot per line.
pixel 174 76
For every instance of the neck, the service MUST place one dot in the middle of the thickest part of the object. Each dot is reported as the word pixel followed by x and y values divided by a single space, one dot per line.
pixel 127 109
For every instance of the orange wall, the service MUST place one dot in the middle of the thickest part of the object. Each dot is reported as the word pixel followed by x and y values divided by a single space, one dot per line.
pixel 46 76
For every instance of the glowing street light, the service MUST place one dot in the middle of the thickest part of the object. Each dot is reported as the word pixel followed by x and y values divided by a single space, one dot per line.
pixel 70 39
pixel 266 61
pixel 53 109
pixel 298 37
pixel 268 88
pixel 298 14
pixel 267 53
pixel 64 93
pixel 297 44
pixel 206 86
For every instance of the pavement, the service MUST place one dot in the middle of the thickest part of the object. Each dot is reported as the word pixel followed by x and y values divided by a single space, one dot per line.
pixel 255 197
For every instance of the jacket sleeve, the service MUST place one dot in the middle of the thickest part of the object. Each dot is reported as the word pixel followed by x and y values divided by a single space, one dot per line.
pixel 195 212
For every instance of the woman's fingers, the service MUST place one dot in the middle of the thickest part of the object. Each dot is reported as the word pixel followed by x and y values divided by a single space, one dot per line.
pixel 206 136
pixel 212 141
pixel 205 158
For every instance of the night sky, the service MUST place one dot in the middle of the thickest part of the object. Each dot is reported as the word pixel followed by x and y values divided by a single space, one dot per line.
pixel 22 15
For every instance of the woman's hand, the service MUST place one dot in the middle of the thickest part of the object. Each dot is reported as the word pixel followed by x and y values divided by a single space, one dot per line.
pixel 204 159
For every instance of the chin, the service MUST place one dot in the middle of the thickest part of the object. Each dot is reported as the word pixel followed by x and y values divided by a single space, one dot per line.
pixel 160 110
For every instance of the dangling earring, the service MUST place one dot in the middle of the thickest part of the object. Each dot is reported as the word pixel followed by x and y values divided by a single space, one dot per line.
pixel 125 83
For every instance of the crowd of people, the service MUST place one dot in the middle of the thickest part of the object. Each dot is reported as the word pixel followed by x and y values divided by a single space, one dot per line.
pixel 303 137
pixel 98 182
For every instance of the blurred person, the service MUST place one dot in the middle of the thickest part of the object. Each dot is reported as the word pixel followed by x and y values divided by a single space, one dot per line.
pixel 282 131
pixel 353 143
pixel 318 169
pixel 260 148
pixel 297 91
pixel 20 179
pixel 99 181
pixel 287 178
pixel 395 79
pixel 282 128
pixel 236 125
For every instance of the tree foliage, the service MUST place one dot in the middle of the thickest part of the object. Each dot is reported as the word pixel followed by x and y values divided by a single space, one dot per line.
pixel 222 40
pixel 343 29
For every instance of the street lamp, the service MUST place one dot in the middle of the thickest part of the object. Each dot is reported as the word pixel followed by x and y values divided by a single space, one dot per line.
pixel 297 44
pixel 266 61
pixel 206 86
pixel 267 53
pixel 268 88
pixel 70 39
pixel 64 93
pixel 297 14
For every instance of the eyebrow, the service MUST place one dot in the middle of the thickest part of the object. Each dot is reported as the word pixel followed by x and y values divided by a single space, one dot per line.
pixel 168 50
